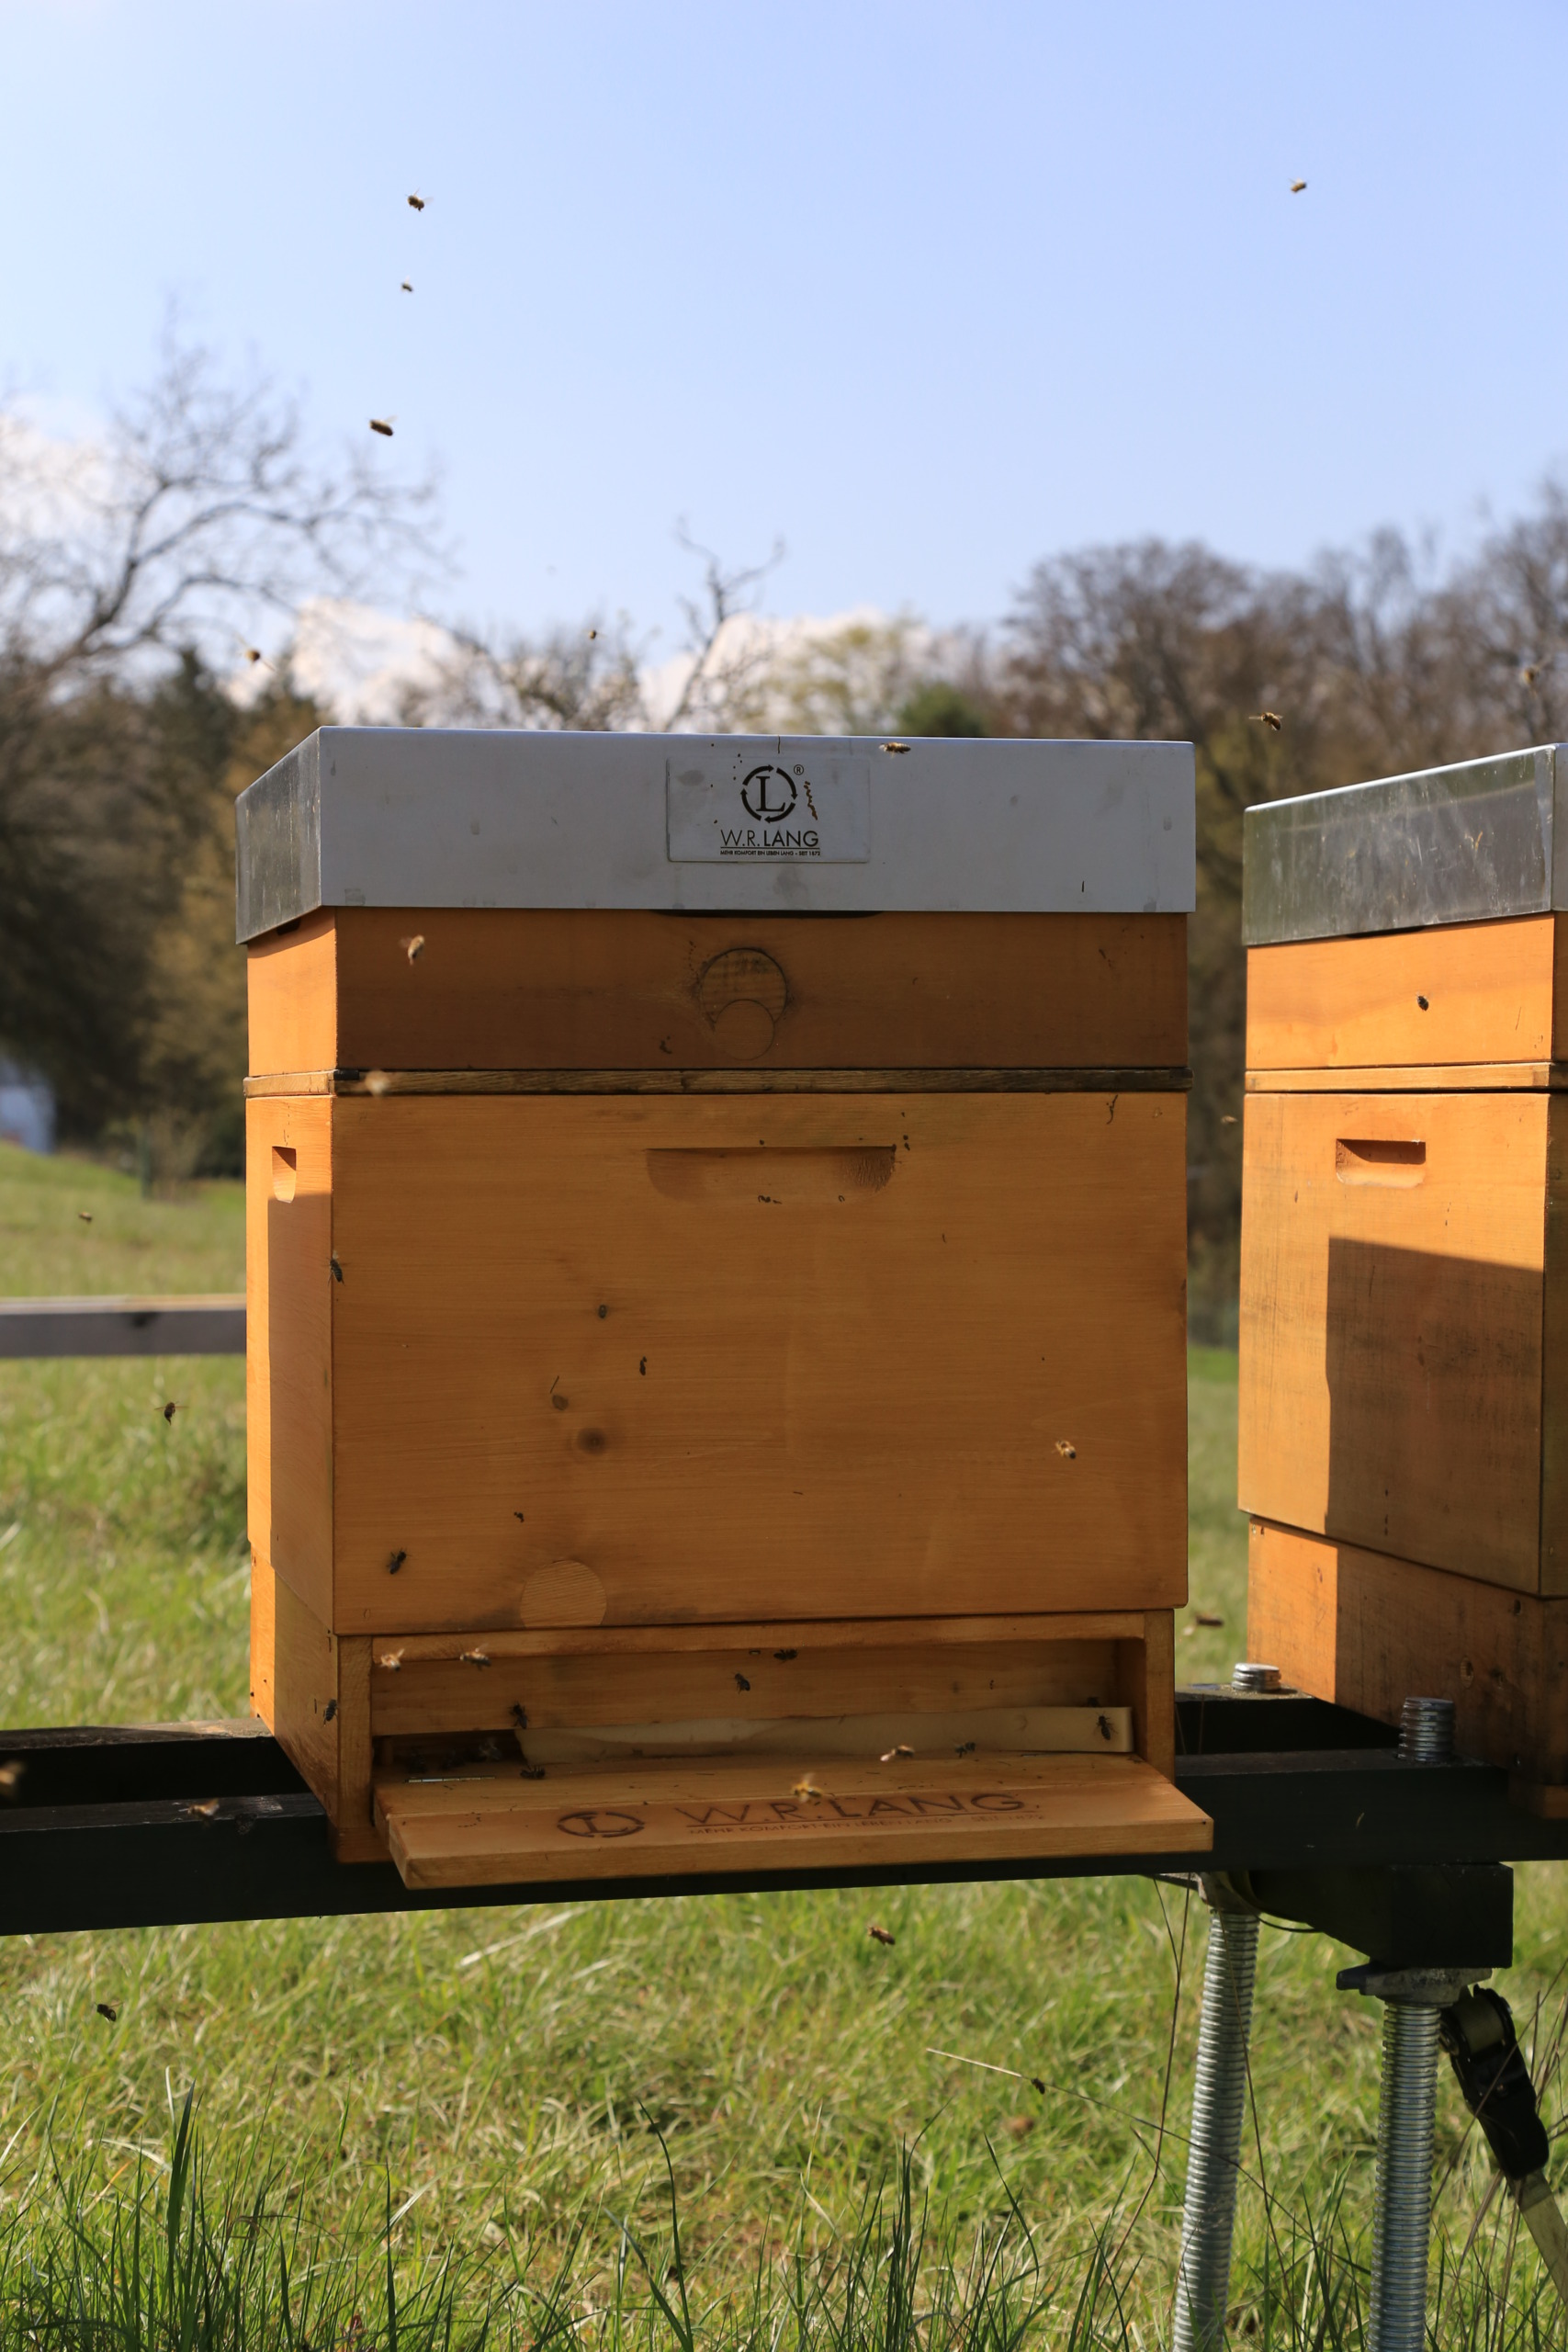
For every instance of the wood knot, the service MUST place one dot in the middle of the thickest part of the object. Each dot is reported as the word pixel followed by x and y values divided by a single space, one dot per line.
pixel 742 993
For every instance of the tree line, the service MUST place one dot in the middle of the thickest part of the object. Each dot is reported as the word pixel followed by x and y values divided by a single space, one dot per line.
pixel 125 595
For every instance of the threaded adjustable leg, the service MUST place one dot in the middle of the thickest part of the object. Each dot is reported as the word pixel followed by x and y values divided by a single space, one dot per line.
pixel 1401 2216
pixel 1219 2103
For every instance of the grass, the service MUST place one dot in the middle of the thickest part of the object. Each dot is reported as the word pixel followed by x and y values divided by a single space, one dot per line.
pixel 501 2089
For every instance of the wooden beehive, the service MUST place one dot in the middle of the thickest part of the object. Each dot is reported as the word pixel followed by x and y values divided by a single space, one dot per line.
pixel 1403 1423
pixel 717 1322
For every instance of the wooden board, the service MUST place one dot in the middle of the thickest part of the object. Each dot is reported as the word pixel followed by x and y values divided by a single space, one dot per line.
pixel 494 1827
pixel 312 1690
pixel 617 1360
pixel 486 1689
pixel 1424 1078
pixel 288 1281
pixel 501 989
pixel 1367 1631
pixel 1457 993
pixel 1084 1079
pixel 858 1739
pixel 1392 1324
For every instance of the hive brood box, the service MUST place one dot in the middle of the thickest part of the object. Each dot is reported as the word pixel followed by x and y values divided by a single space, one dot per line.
pixel 716 1270
pixel 1404 1427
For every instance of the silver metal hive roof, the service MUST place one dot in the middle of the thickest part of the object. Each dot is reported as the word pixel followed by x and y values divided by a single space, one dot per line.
pixel 424 817
pixel 1473 843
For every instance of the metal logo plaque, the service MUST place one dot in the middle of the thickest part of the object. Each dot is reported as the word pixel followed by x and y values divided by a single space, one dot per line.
pixel 791 805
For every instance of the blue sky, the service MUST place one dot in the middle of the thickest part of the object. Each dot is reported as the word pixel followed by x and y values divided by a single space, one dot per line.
pixel 928 290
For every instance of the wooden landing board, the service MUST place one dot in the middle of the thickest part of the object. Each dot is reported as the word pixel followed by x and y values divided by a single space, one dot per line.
pixel 494 1827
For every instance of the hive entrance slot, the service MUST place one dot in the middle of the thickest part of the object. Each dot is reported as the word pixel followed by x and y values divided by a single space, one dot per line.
pixel 1371 1160
pixel 777 1179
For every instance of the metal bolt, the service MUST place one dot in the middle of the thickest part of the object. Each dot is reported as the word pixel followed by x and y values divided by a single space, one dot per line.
pixel 1248 1675
pixel 1219 2102
pixel 1402 2217
pixel 1427 1731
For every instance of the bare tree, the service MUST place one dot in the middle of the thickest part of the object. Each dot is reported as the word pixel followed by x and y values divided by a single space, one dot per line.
pixel 201 510
pixel 129 571
pixel 728 660
pixel 584 677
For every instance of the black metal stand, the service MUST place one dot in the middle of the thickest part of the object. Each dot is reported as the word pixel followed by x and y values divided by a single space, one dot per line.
pixel 166 1824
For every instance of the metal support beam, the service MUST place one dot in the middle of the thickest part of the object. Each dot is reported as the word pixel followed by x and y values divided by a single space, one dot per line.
pixel 212 1326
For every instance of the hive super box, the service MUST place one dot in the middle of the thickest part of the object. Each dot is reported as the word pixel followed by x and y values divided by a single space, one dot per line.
pixel 1403 1438
pixel 716 1266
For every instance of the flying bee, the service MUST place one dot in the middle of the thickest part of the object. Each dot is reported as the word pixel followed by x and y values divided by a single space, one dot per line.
pixel 806 1790
pixel 414 948
pixel 890 1756
pixel 170 1410
pixel 377 1083
pixel 382 425
pixel 1102 1725
pixel 109 2009
pixel 1269 719
pixel 206 1810
pixel 85 1216
pixel 395 1563
pixel 405 288
pixel 1530 673
pixel 591 635
pixel 741 1683
pixel 1066 1449
pixel 416 203
pixel 1297 187
pixel 880 1935
pixel 329 1711
pixel 254 654
pixel 520 1716
pixel 894 747
pixel 391 1660
pixel 967 1748
pixel 11 1776
pixel 473 1657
